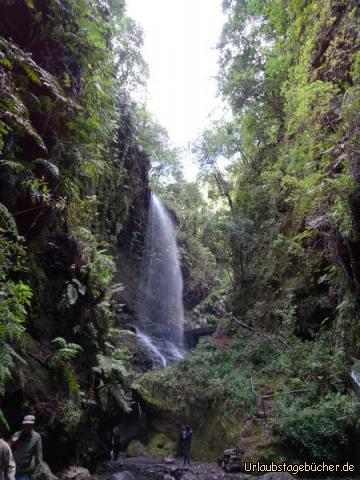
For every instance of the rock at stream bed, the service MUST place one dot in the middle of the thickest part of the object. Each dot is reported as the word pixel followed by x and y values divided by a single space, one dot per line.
pixel 152 469
pixel 123 476
pixel 43 472
pixel 75 473
pixel 231 461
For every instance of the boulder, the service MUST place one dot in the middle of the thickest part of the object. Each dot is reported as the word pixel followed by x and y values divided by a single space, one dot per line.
pixel 232 460
pixel 75 473
pixel 136 449
pixel 43 472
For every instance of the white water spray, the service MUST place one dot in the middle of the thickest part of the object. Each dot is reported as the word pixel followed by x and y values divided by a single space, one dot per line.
pixel 158 359
pixel 160 306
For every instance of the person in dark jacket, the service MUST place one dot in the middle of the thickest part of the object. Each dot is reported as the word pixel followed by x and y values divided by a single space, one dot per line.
pixel 185 443
pixel 27 449
pixel 115 443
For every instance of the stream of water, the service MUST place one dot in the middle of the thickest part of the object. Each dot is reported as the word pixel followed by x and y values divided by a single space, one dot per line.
pixel 160 306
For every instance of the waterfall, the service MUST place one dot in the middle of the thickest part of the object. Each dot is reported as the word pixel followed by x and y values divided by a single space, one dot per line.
pixel 160 306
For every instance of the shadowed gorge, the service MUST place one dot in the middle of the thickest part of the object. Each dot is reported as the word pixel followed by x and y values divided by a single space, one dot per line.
pixel 146 285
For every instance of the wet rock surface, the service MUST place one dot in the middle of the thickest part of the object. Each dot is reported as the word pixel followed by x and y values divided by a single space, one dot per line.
pixel 75 473
pixel 149 469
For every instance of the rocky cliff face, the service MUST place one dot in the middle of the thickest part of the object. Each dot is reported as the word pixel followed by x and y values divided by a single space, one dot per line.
pixel 73 203
pixel 56 258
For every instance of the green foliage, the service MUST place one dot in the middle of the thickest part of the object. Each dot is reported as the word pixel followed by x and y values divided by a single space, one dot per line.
pixel 320 363
pixel 214 144
pixel 281 218
pixel 99 271
pixel 70 415
pixel 63 362
pixel 3 420
pixel 7 224
pixel 6 365
pixel 73 149
pixel 76 106
pixel 291 77
pixel 319 420
pixel 220 375
pixel 14 114
pixel 65 351
pixel 113 389
pixel 15 295
pixel 312 413
pixel 320 430
pixel 154 140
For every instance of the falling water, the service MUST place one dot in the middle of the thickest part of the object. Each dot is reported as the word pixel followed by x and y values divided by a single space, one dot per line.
pixel 160 307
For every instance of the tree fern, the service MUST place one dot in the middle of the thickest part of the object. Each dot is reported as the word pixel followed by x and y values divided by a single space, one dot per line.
pixel 114 381
pixel 110 366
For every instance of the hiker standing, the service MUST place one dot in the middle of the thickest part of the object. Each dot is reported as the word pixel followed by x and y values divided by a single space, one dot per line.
pixel 7 463
pixel 185 443
pixel 27 449
pixel 115 443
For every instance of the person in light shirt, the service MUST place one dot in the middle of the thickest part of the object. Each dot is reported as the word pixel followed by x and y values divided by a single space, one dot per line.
pixel 27 449
pixel 7 463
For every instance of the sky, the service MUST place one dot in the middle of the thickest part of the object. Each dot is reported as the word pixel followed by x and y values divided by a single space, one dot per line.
pixel 180 38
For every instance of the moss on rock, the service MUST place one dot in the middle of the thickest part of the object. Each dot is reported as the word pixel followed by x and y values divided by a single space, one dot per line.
pixel 7 221
pixel 136 449
pixel 219 405
pixel 214 428
pixel 160 445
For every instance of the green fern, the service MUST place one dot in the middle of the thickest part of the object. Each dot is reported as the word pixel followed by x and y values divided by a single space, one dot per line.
pixel 114 381
pixel 110 366
pixel 66 351
pixel 9 359
pixel 3 420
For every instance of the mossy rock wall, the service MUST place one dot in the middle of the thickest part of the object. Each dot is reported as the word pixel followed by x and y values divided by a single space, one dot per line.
pixel 214 428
